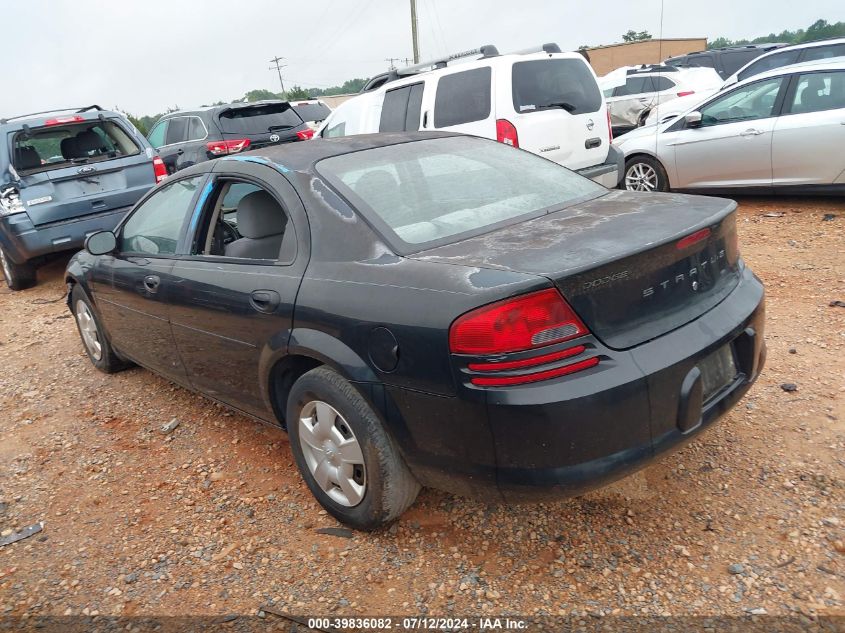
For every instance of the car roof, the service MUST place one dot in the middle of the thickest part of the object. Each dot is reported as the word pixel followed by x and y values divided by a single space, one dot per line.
pixel 38 119
pixel 302 156
pixel 832 63
pixel 831 41
pixel 726 49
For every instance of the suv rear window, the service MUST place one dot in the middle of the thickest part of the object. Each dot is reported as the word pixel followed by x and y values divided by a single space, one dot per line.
pixel 258 119
pixel 58 146
pixel 463 97
pixel 312 111
pixel 555 83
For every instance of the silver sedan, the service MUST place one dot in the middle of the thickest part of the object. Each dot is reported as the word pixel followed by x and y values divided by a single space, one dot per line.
pixel 782 129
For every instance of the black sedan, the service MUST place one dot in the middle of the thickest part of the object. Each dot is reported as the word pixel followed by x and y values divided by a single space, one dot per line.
pixel 430 309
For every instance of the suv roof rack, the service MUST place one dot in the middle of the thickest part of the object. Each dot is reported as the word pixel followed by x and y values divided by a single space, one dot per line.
pixel 485 52
pixel 653 68
pixel 74 109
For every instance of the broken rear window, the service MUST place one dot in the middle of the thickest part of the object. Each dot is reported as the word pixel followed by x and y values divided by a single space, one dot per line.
pixel 55 147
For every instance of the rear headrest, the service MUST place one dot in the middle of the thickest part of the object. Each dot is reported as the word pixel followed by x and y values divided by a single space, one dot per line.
pixel 68 147
pixel 375 184
pixel 259 215
pixel 815 83
pixel 88 141
pixel 27 157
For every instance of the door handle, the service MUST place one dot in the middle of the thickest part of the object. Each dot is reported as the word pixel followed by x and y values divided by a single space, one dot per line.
pixel 180 151
pixel 265 300
pixel 151 282
pixel 752 132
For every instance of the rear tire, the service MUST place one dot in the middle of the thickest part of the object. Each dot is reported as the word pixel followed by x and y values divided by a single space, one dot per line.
pixel 17 276
pixel 644 173
pixel 349 462
pixel 94 340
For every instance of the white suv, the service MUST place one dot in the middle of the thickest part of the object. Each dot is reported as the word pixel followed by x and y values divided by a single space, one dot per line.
pixel 543 101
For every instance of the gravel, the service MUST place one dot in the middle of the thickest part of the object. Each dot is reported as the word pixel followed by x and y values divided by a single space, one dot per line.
pixel 213 518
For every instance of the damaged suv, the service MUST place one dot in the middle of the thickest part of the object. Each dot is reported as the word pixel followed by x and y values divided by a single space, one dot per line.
pixel 64 175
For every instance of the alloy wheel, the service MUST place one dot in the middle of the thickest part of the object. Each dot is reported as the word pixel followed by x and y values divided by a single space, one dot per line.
pixel 641 177
pixel 332 453
pixel 88 329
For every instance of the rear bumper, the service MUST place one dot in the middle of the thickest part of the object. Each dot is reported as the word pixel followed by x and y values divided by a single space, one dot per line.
pixel 23 241
pixel 609 173
pixel 566 436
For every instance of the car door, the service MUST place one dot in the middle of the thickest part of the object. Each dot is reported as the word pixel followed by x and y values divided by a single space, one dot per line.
pixel 732 147
pixel 134 304
pixel 232 304
pixel 808 139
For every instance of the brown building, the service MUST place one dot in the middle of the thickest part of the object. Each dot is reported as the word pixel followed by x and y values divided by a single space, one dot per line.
pixel 610 57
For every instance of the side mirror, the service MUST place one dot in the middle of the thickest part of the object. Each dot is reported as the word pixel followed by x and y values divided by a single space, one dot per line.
pixel 693 119
pixel 101 243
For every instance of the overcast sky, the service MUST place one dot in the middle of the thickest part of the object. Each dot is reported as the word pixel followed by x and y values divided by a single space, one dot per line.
pixel 146 56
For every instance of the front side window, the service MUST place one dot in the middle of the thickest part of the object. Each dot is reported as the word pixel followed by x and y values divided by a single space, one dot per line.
pixel 635 86
pixel 754 101
pixel 158 134
pixel 436 190
pixel 154 227
pixel 555 83
pixel 768 63
pixel 60 146
pixel 817 92
pixel 463 97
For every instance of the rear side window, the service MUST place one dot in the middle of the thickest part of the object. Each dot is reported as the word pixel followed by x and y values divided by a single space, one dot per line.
pixel 635 86
pixel 555 83
pixel 823 52
pixel 53 147
pixel 663 83
pixel 401 109
pixel 817 92
pixel 259 119
pixel 768 63
pixel 463 97
pixel 196 129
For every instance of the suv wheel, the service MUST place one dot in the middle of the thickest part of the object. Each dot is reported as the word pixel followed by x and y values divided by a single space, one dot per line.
pixel 349 462
pixel 643 173
pixel 94 341
pixel 17 276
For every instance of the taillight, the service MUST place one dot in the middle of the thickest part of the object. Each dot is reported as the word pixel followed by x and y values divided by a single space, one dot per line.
pixel 609 127
pixel 548 374
pixel 692 238
pixel 159 169
pixel 304 135
pixel 686 93
pixel 506 133
pixel 64 119
pixel 221 148
pixel 521 323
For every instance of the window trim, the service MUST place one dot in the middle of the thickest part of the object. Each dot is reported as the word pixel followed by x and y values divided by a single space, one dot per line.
pixel 181 116
pixel 200 208
pixel 185 223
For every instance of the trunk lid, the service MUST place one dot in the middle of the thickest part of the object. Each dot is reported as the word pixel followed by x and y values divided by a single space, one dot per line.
pixel 619 260
pixel 262 123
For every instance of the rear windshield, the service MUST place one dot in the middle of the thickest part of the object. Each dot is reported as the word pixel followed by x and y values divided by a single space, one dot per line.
pixel 440 190
pixel 312 111
pixel 258 119
pixel 58 146
pixel 555 83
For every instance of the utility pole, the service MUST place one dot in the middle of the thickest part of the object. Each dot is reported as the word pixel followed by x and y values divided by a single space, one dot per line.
pixel 278 68
pixel 414 31
pixel 390 61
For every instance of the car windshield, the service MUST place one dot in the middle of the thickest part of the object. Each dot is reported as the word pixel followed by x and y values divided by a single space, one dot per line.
pixel 440 190
pixel 258 119
pixel 58 146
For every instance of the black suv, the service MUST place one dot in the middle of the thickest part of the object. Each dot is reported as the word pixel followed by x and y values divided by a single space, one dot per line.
pixel 725 61
pixel 188 137
pixel 65 174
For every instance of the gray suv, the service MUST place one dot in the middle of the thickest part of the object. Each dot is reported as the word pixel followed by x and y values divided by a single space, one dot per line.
pixel 64 175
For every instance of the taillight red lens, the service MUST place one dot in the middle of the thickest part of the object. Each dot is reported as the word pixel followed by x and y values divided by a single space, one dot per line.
pixel 506 133
pixel 159 169
pixel 506 381
pixel 221 148
pixel 306 134
pixel 64 119
pixel 692 238
pixel 686 93
pixel 532 320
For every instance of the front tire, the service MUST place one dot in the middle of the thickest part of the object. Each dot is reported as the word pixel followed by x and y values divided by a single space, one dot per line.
pixel 17 276
pixel 94 340
pixel 348 461
pixel 644 173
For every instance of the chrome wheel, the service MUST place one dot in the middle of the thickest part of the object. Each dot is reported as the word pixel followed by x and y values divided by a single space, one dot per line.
pixel 641 177
pixel 88 329
pixel 7 270
pixel 332 453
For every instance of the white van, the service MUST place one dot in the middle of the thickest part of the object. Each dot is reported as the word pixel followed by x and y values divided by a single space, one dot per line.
pixel 544 101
